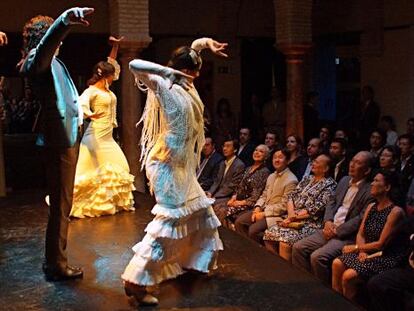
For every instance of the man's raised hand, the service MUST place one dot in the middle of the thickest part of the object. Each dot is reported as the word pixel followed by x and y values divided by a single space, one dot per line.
pixel 76 16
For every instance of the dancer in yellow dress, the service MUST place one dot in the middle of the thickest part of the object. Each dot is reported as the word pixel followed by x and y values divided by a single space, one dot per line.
pixel 183 234
pixel 103 185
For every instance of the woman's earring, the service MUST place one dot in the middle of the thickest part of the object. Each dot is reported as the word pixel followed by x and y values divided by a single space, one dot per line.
pixel 106 84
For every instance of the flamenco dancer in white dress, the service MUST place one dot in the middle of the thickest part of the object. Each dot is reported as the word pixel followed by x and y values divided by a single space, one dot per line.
pixel 103 185
pixel 183 234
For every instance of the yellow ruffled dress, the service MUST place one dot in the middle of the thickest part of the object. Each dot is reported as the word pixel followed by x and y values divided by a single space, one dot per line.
pixel 103 184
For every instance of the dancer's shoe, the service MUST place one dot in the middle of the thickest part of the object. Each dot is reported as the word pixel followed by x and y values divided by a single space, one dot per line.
pixel 140 294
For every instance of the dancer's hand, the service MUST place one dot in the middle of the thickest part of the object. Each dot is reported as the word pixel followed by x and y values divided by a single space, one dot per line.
pixel 76 16
pixel 217 47
pixel 96 115
pixel 180 78
pixel 114 40
pixel 3 39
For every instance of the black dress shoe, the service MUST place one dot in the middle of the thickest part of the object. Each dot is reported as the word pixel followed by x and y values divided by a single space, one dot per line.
pixel 69 273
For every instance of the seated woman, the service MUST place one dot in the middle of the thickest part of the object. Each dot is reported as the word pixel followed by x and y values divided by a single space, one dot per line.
pixel 297 162
pixel 250 187
pixel 365 259
pixel 389 158
pixel 305 209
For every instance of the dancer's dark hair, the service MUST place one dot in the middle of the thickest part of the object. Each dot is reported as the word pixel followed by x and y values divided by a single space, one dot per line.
pixel 185 57
pixel 101 70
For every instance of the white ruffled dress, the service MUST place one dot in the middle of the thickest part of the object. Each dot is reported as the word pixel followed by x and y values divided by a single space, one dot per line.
pixel 183 234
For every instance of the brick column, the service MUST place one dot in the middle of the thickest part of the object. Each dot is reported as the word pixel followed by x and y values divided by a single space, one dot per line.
pixel 130 18
pixel 293 38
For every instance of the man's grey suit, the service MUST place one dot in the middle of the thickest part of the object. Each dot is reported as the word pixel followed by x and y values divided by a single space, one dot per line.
pixel 321 251
pixel 225 185
pixel 58 133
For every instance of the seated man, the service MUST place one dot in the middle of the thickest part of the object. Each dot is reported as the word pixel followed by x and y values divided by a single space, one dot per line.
pixel 246 146
pixel 313 150
pixel 271 141
pixel 209 166
pixel 341 221
pixel 272 203
pixel 228 177
pixel 338 152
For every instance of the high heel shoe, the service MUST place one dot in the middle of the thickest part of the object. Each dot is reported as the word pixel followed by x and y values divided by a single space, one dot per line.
pixel 140 294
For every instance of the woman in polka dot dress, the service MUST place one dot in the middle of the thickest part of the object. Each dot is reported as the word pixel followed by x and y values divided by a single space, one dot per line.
pixel 365 259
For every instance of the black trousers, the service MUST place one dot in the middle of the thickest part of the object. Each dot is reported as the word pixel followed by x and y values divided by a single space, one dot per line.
pixel 60 176
pixel 392 290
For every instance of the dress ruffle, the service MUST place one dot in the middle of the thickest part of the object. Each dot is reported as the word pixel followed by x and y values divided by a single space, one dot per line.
pixel 105 192
pixel 172 245
pixel 186 209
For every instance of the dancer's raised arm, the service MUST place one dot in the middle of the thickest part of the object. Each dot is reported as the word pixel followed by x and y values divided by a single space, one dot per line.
pixel 40 55
pixel 143 70
pixel 208 43
pixel 113 55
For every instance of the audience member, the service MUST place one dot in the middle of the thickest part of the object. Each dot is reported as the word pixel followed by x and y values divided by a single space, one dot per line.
pixel 305 209
pixel 313 150
pixel 341 133
pixel 406 164
pixel 209 165
pixel 247 147
pixel 325 137
pixel 363 259
pixel 341 221
pixel 251 186
pixel 377 142
pixel 297 162
pixel 272 142
pixel 228 177
pixel 388 125
pixel 338 153
pixel 394 289
pixel 272 203
pixel 389 157
pixel 410 126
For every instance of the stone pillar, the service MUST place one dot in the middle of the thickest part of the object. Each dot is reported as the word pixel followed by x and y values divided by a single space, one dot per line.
pixel 295 88
pixel 130 18
pixel 293 38
pixel 131 110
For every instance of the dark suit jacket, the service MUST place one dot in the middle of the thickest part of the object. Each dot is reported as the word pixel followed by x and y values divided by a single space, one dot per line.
pixel 406 175
pixel 356 211
pixel 246 155
pixel 343 170
pixel 54 88
pixel 210 171
pixel 298 166
pixel 225 186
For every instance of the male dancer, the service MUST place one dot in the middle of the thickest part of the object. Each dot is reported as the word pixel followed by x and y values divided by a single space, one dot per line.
pixel 60 119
